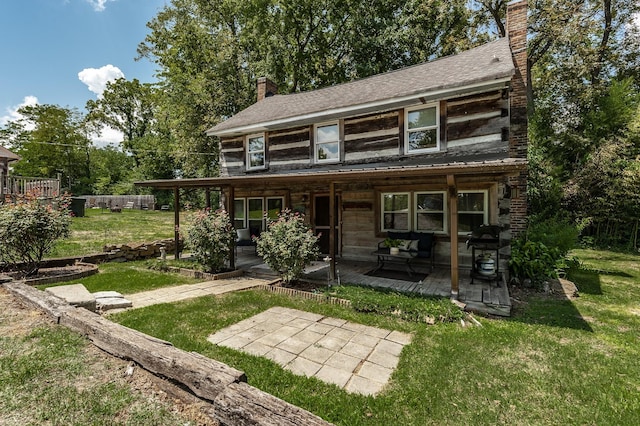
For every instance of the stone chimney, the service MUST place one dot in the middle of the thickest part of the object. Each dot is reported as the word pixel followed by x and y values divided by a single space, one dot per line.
pixel 518 140
pixel 266 88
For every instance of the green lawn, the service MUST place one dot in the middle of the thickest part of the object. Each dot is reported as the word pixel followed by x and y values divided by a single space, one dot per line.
pixel 128 278
pixel 99 227
pixel 554 362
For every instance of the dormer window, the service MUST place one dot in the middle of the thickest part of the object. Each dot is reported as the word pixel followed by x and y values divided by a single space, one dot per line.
pixel 256 152
pixel 422 129
pixel 327 143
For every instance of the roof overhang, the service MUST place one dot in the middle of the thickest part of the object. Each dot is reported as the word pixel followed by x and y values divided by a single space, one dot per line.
pixel 365 108
pixel 509 166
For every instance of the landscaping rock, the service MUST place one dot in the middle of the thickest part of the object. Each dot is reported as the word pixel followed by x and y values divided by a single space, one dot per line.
pixel 75 295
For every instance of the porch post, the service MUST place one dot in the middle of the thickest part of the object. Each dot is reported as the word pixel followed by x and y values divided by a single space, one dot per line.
pixel 176 220
pixel 207 197
pixel 332 229
pixel 453 221
pixel 231 209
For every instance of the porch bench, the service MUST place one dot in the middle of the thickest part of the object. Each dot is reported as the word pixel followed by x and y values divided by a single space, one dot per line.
pixel 421 245
pixel 244 237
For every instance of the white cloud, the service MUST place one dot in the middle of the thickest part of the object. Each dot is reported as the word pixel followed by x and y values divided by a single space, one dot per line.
pixel 12 112
pixel 107 136
pixel 98 5
pixel 97 78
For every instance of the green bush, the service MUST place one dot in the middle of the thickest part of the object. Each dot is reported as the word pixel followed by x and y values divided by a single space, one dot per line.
pixel 29 228
pixel 555 233
pixel 288 245
pixel 534 261
pixel 211 237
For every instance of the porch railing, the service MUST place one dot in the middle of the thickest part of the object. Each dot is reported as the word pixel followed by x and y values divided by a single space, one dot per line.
pixel 20 185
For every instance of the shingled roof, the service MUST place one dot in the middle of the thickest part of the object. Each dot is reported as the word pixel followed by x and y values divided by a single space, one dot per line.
pixel 484 65
pixel 5 153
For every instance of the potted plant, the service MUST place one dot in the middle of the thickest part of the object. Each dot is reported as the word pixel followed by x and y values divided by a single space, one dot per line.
pixel 393 244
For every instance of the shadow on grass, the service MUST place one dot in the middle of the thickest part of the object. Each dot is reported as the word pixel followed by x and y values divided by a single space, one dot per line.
pixel 588 280
pixel 558 309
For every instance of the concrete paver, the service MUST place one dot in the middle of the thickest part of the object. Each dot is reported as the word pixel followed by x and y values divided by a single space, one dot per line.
pixel 356 357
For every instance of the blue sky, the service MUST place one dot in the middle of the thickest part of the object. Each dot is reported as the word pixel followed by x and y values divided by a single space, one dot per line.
pixel 63 52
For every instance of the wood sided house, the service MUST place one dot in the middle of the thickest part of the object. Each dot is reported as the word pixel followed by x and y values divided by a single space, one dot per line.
pixel 438 147
pixel 19 185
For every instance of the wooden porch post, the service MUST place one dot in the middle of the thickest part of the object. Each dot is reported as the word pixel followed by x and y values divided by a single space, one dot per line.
pixel 332 229
pixel 207 197
pixel 453 221
pixel 231 209
pixel 176 220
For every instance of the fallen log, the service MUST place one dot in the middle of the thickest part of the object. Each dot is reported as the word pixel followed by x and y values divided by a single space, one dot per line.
pixel 205 377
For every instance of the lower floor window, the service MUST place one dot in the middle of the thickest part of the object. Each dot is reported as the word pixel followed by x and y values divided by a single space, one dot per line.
pixel 250 212
pixel 426 211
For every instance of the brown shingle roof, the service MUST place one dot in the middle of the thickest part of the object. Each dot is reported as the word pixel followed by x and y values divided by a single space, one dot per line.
pixel 5 153
pixel 482 65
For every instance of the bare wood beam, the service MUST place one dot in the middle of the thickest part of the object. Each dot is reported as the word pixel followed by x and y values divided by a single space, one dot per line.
pixel 332 228
pixel 453 221
pixel 176 221
pixel 231 208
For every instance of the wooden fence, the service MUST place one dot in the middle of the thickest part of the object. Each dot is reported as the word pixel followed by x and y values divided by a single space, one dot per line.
pixel 20 185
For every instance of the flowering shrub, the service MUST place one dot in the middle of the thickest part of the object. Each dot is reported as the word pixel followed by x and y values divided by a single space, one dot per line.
pixel 288 245
pixel 29 228
pixel 211 237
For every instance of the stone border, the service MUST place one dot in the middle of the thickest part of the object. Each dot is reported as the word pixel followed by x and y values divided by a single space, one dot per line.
pixel 205 275
pixel 305 295
pixel 91 269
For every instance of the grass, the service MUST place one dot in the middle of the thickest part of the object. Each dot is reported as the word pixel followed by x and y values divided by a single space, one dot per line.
pixel 98 228
pixel 554 362
pixel 128 278
pixel 47 377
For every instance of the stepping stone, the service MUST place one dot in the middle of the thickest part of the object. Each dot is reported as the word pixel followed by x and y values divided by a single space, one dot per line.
pixel 107 300
pixel 75 295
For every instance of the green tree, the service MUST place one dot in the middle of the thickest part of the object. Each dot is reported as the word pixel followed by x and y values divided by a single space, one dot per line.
pixel 52 140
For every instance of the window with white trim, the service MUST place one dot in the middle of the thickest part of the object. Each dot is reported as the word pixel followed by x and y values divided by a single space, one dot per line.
pixel 430 211
pixel 239 214
pixel 473 210
pixel 396 214
pixel 256 152
pixel 327 143
pixel 250 212
pixel 422 129
pixel 427 211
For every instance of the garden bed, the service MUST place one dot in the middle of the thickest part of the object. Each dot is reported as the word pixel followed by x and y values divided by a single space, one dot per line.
pixel 58 274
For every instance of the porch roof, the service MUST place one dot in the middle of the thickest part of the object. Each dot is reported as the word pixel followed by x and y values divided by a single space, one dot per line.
pixel 475 166
pixel 476 69
pixel 5 153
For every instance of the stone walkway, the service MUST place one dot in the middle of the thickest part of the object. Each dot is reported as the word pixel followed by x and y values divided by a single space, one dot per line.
pixel 356 357
pixel 190 291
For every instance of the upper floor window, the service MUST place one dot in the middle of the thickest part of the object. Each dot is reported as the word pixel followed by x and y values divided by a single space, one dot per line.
pixel 327 143
pixel 422 129
pixel 255 152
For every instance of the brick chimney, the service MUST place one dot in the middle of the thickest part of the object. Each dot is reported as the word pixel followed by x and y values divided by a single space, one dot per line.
pixel 517 33
pixel 266 88
pixel 518 140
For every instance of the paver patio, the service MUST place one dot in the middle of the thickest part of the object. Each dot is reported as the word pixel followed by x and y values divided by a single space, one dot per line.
pixel 356 357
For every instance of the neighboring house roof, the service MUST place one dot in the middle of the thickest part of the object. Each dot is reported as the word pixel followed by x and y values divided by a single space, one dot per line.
pixel 485 65
pixel 5 153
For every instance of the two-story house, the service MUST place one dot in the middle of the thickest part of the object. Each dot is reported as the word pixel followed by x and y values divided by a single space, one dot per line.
pixel 437 147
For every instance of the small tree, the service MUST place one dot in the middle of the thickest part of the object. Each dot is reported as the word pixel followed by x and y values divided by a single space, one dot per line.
pixel 29 228
pixel 211 238
pixel 288 245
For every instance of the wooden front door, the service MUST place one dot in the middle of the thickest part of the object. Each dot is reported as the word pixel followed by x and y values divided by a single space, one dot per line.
pixel 321 222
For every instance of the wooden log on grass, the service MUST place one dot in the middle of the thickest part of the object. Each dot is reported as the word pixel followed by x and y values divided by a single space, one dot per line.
pixel 205 377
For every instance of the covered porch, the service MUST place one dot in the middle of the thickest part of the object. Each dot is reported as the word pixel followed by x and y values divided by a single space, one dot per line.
pixel 481 296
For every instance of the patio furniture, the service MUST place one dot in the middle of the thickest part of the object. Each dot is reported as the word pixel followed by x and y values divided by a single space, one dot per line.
pixel 129 205
pixel 244 238
pixel 420 245
pixel 405 258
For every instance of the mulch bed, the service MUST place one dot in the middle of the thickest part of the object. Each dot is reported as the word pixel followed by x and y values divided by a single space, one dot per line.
pixel 56 274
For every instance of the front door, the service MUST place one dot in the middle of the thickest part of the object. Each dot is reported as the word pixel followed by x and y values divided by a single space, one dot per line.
pixel 321 222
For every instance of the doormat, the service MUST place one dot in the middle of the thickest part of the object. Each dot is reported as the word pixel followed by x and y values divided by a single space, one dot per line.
pixel 392 274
